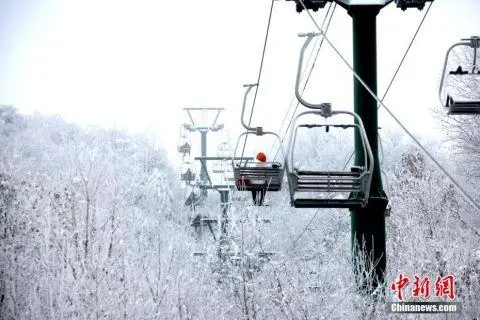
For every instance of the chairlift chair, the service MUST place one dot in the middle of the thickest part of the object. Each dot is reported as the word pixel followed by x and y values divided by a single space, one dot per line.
pixel 310 4
pixel 251 176
pixel 323 189
pixel 405 4
pixel 188 176
pixel 187 173
pixel 218 167
pixel 195 198
pixel 228 175
pixel 469 102
pixel 184 146
pixel 223 150
pixel 199 221
pixel 205 223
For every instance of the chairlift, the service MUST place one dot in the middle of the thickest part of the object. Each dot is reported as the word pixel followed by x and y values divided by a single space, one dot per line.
pixel 225 172
pixel 310 4
pixel 228 175
pixel 468 101
pixel 224 149
pixel 201 222
pixel 324 189
pixel 220 166
pixel 187 173
pixel 251 176
pixel 184 148
pixel 405 4
pixel 184 145
pixel 194 199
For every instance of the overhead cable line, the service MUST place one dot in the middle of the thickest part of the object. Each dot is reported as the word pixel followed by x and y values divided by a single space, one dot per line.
pixel 417 142
pixel 308 76
pixel 405 54
pixel 311 68
pixel 259 71
pixel 304 230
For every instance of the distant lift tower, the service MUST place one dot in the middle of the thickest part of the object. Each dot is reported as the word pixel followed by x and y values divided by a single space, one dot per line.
pixel 203 120
pixel 368 223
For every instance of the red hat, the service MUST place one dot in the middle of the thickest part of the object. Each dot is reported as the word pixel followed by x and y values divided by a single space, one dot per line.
pixel 261 157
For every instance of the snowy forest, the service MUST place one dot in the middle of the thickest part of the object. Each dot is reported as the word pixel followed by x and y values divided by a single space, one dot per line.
pixel 93 226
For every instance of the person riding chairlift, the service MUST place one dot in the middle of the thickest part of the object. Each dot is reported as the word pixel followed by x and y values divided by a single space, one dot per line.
pixel 259 195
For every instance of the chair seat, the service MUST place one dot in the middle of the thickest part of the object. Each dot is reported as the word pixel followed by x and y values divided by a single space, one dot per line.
pixel 327 203
pixel 316 188
pixel 255 178
pixel 328 173
pixel 464 107
pixel 329 182
pixel 203 222
pixel 258 187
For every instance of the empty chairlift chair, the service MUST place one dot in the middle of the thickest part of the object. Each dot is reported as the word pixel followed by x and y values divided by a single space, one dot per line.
pixel 328 189
pixel 464 97
pixel 220 166
pixel 251 176
pixel 321 188
pixel 224 150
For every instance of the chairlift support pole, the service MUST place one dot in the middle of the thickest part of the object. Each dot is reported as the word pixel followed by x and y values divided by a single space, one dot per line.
pixel 224 205
pixel 203 153
pixel 224 191
pixel 368 223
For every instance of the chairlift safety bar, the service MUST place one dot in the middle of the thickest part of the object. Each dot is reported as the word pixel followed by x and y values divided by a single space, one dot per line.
pixel 223 158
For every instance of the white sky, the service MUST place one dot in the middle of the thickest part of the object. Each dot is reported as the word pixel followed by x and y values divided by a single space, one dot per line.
pixel 136 64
